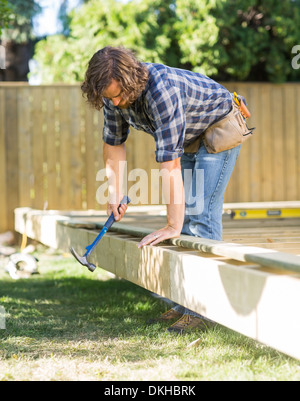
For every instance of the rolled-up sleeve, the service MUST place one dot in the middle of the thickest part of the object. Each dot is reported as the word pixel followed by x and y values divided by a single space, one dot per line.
pixel 116 129
pixel 167 115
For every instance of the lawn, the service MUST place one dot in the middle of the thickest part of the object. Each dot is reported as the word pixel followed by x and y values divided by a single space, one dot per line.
pixel 67 324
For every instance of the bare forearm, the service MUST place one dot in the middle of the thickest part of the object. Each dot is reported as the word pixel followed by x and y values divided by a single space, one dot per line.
pixel 114 160
pixel 174 196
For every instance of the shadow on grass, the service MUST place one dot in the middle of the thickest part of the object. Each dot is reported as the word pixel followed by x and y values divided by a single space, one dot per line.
pixel 48 314
pixel 74 307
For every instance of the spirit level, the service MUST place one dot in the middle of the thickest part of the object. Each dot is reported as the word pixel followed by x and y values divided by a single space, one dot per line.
pixel 240 214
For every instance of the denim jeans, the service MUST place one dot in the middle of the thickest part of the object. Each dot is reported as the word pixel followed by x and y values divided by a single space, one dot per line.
pixel 205 178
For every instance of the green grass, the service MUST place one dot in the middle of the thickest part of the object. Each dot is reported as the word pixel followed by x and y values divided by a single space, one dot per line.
pixel 68 324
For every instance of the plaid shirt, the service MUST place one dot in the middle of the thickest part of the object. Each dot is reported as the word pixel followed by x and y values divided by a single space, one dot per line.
pixel 175 107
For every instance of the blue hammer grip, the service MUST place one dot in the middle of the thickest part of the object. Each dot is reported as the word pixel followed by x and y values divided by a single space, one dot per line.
pixel 111 218
pixel 106 227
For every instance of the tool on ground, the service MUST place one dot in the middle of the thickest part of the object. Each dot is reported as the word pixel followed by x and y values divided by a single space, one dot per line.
pixel 21 265
pixel 90 248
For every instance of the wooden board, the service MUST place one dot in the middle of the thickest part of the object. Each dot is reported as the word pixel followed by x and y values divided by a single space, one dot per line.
pixel 3 183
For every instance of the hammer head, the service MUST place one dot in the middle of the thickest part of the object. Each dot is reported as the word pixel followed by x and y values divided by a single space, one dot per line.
pixel 83 260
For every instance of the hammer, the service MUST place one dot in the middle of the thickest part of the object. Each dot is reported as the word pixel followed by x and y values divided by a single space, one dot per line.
pixel 90 248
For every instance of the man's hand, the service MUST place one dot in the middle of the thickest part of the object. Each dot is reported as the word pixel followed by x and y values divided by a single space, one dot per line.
pixel 117 211
pixel 158 236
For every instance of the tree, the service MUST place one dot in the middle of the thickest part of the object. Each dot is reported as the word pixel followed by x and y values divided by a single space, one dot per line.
pixel 20 20
pixel 198 36
pixel 92 26
pixel 225 39
pixel 5 12
pixel 16 37
pixel 240 39
pixel 258 37
pixel 145 26
pixel 151 30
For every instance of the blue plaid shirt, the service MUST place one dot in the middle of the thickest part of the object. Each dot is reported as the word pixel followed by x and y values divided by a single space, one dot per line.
pixel 175 107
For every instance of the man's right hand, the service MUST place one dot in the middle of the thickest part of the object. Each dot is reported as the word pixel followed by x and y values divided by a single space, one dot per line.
pixel 117 210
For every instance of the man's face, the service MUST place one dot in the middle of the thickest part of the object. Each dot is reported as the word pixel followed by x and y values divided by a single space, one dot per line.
pixel 114 93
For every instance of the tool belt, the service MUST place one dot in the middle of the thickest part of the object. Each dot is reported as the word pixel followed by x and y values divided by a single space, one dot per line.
pixel 227 133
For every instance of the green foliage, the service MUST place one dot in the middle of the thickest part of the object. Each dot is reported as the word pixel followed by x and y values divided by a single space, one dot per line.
pixel 19 14
pixel 142 25
pixel 257 37
pixel 199 31
pixel 5 11
pixel 226 39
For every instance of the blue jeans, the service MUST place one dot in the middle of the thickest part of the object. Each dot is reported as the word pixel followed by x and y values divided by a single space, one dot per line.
pixel 205 178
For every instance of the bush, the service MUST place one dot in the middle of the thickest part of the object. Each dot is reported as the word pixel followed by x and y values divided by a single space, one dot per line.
pixel 241 40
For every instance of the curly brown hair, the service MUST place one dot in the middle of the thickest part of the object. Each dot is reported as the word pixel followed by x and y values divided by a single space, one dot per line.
pixel 115 63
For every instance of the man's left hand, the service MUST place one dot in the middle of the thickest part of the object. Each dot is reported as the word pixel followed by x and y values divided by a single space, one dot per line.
pixel 158 236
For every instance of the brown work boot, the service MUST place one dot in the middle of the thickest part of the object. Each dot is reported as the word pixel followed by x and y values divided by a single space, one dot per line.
pixel 188 322
pixel 166 317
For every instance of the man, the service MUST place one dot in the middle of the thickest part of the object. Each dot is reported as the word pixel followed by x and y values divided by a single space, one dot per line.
pixel 175 107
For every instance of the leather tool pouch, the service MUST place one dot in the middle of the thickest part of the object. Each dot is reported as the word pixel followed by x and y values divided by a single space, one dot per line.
pixel 194 146
pixel 227 133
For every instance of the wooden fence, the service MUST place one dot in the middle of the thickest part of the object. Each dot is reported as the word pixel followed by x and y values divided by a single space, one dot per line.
pixel 51 148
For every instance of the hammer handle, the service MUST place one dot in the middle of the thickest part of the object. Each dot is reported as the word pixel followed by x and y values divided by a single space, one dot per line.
pixel 111 218
pixel 106 227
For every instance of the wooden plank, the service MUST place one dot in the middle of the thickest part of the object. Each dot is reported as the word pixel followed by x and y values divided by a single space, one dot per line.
pixel 243 253
pixel 51 150
pixel 64 147
pixel 290 141
pixel 12 156
pixel 266 135
pixel 278 145
pixel 297 172
pixel 256 144
pixel 232 186
pixel 250 254
pixel 75 150
pixel 94 122
pixel 25 155
pixel 90 177
pixel 239 185
pixel 99 165
pixel 264 257
pixel 3 166
pixel 38 148
pixel 241 299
